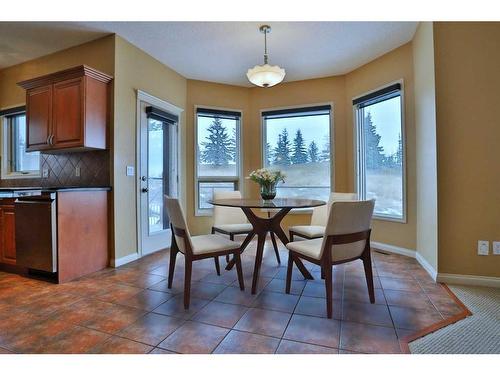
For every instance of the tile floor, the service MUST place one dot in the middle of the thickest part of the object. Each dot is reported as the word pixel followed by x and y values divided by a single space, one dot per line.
pixel 131 310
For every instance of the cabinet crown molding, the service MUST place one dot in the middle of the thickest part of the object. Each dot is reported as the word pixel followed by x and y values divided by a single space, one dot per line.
pixel 75 72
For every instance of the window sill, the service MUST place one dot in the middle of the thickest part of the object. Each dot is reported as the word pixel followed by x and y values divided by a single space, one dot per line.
pixel 16 176
pixel 390 219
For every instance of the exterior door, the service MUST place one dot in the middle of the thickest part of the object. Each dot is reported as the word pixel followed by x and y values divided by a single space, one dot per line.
pixel 157 178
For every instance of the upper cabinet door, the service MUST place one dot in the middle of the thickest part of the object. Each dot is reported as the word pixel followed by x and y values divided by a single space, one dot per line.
pixel 68 113
pixel 68 110
pixel 39 112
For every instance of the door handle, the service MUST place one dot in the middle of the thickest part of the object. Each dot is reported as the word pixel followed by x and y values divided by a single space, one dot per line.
pixel 144 190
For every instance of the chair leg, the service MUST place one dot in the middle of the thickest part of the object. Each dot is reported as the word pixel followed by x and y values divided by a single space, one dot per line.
pixel 187 283
pixel 231 237
pixel 291 236
pixel 217 265
pixel 289 273
pixel 367 263
pixel 171 267
pixel 239 269
pixel 275 245
pixel 327 269
pixel 322 273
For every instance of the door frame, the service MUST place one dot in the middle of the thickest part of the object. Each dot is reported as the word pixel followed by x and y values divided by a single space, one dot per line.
pixel 143 96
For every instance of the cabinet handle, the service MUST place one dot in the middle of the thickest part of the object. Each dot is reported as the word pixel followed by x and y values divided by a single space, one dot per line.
pixel 51 139
pixel 48 138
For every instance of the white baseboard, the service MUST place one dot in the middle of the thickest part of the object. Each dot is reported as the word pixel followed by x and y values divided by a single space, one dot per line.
pixel 427 266
pixel 450 278
pixel 124 260
pixel 393 249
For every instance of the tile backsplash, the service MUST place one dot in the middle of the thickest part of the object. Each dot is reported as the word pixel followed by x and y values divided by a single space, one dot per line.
pixel 94 170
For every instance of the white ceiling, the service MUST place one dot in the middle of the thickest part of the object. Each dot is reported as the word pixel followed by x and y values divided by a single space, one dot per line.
pixel 221 51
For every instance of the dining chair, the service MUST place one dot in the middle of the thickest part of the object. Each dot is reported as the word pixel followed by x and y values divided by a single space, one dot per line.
pixel 196 248
pixel 232 221
pixel 347 238
pixel 319 218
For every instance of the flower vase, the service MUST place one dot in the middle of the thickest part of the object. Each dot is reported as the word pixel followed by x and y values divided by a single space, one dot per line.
pixel 268 191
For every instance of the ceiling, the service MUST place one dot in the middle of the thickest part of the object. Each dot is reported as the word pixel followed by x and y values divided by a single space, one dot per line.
pixel 220 51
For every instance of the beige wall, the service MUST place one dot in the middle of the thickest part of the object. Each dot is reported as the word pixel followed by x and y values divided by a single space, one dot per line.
pixel 425 143
pixel 135 70
pixel 467 61
pixel 393 66
pixel 98 54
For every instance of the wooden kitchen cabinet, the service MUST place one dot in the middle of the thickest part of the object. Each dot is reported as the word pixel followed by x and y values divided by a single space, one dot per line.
pixel 67 110
pixel 7 233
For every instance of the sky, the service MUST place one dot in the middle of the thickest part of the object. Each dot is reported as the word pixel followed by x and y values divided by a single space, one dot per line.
pixel 313 128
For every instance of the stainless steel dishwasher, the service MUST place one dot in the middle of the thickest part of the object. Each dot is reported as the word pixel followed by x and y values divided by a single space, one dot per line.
pixel 36 232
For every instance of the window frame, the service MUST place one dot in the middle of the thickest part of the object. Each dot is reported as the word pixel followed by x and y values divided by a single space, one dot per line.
pixel 359 176
pixel 7 172
pixel 305 107
pixel 238 180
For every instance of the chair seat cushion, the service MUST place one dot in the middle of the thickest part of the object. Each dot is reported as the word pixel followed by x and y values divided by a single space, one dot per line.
pixel 312 231
pixel 209 243
pixel 310 248
pixel 235 228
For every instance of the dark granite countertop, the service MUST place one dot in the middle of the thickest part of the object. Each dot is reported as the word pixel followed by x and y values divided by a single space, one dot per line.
pixel 54 189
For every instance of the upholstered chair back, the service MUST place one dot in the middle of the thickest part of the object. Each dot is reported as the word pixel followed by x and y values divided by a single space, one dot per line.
pixel 228 215
pixel 320 214
pixel 178 220
pixel 348 217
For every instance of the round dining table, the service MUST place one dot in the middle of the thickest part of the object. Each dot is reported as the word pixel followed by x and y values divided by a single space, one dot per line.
pixel 270 224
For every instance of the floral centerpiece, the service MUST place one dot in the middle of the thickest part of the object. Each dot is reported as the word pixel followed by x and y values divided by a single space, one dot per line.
pixel 267 179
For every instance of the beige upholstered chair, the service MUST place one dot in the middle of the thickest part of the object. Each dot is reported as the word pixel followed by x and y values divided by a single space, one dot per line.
pixel 195 247
pixel 347 238
pixel 319 218
pixel 232 221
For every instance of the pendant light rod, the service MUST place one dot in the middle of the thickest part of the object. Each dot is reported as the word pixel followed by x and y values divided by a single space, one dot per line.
pixel 265 29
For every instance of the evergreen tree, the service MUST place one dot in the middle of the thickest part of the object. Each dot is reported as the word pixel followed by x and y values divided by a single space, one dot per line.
pixel 282 150
pixel 374 153
pixel 313 152
pixel 232 147
pixel 217 150
pixel 299 153
pixel 269 154
pixel 325 152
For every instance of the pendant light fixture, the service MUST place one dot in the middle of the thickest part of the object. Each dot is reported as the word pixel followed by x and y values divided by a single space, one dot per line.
pixel 265 75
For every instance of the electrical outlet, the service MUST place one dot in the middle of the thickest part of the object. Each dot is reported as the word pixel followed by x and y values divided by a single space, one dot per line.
pixel 483 247
pixel 77 171
pixel 45 172
pixel 496 247
pixel 130 170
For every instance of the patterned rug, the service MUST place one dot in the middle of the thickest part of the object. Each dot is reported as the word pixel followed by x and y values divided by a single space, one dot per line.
pixel 476 334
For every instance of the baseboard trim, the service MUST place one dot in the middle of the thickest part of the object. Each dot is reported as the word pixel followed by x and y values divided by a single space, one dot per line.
pixel 393 249
pixel 450 278
pixel 427 266
pixel 124 260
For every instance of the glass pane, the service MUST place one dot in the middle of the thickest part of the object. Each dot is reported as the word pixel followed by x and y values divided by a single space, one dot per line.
pixel 156 182
pixel 206 191
pixel 22 161
pixel 217 146
pixel 384 156
pixel 300 147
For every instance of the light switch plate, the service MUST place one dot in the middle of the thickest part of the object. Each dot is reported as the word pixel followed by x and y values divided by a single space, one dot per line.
pixel 496 247
pixel 130 170
pixel 45 172
pixel 77 171
pixel 483 247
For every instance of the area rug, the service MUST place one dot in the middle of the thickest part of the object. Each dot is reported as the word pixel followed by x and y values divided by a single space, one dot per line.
pixel 475 334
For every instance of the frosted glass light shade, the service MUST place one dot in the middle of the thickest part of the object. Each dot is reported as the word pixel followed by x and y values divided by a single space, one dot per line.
pixel 265 75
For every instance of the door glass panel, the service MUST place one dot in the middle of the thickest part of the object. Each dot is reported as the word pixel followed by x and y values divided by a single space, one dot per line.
pixel 156 180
